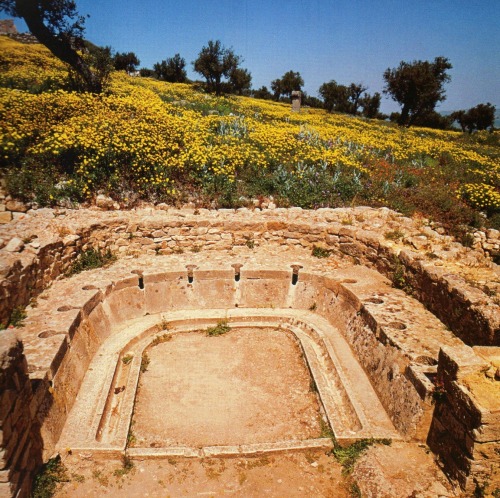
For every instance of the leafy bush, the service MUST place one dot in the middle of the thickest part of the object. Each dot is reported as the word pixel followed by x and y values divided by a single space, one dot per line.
pixel 91 259
pixel 51 474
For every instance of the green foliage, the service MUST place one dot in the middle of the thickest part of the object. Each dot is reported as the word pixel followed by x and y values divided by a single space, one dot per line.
pixel 347 99
pixel 100 63
pixel 172 69
pixel 291 81
pixel 417 86
pixel 127 466
pixel 214 63
pixel 43 185
pixel 399 275
pixel 347 456
pixel 394 235
pixel 91 259
pixel 145 361
pixel 221 328
pixel 160 339
pixel 51 474
pixel 262 93
pixel 127 359
pixel 320 252
pixel 325 429
pixel 126 61
pixel 480 117
pixel 240 81
pixel 17 317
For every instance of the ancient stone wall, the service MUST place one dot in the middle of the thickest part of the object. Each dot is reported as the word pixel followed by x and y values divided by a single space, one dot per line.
pixel 432 272
pixel 465 430
pixel 448 279
pixel 20 441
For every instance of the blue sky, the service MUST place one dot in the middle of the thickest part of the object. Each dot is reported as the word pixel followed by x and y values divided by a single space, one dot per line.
pixel 348 41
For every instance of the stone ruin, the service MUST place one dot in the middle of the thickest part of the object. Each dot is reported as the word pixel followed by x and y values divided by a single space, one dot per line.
pixel 7 27
pixel 296 100
pixel 418 364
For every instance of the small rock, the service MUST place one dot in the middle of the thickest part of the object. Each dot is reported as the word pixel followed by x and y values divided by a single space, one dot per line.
pixel 314 464
pixel 104 202
pixel 15 245
pixel 491 372
pixel 70 240
pixel 5 217
pixel 16 206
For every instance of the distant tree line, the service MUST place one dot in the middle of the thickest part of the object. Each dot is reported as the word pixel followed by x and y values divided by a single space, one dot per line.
pixel 416 86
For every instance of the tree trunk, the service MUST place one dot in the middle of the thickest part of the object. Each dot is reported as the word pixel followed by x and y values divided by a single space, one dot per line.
pixel 403 119
pixel 61 48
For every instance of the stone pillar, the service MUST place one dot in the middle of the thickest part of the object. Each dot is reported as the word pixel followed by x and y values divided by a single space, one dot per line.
pixel 296 100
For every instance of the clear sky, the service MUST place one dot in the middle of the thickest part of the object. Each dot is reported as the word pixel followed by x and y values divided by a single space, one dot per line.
pixel 348 41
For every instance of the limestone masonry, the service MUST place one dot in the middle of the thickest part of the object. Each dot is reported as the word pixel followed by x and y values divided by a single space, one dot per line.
pixel 399 326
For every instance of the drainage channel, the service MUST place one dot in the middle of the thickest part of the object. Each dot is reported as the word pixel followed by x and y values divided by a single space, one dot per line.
pixel 101 417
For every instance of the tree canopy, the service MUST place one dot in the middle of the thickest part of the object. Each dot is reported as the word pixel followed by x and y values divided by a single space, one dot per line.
pixel 240 81
pixel 480 117
pixel 126 62
pixel 291 81
pixel 57 25
pixel 214 63
pixel 348 99
pixel 417 86
pixel 172 69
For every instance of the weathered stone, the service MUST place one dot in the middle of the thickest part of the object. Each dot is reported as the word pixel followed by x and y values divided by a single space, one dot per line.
pixel 5 217
pixel 14 245
pixel 104 202
pixel 16 206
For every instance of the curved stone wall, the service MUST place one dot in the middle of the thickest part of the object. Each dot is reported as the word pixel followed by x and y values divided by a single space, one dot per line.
pixel 448 279
pixel 395 338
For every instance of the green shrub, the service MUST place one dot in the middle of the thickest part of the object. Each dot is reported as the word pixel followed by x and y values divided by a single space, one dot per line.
pixel 221 328
pixel 51 474
pixel 320 252
pixel 91 259
pixel 347 456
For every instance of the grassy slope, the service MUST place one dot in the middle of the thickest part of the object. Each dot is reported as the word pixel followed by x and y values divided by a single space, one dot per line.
pixel 166 142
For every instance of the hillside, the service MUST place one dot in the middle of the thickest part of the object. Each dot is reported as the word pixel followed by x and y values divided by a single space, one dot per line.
pixel 164 142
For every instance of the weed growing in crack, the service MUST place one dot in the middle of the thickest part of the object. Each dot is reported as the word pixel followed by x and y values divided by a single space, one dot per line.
pixel 127 359
pixel 320 252
pixel 159 339
pixel 394 235
pixel 145 361
pixel 347 456
pixel 127 466
pixel 325 429
pixel 221 328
